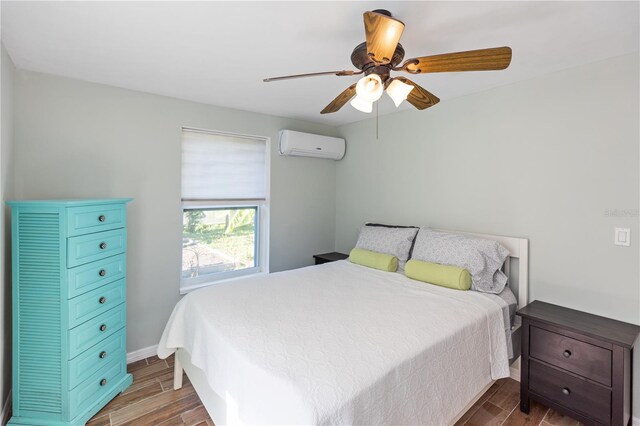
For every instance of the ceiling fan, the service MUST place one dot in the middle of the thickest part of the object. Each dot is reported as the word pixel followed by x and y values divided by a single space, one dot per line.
pixel 382 53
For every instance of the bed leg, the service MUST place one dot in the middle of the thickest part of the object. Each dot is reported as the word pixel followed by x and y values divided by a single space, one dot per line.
pixel 177 374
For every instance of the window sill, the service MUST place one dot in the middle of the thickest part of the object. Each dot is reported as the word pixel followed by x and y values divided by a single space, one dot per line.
pixel 193 287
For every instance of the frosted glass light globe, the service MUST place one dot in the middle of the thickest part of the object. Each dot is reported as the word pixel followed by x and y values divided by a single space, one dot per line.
pixel 370 88
pixel 361 105
pixel 398 91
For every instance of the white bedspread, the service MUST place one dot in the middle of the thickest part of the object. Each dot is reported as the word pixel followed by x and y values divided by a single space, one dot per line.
pixel 340 344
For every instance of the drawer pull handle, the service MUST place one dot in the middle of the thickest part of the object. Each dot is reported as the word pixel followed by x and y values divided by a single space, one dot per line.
pixel 102 218
pixel 103 245
pixel 103 382
pixel 566 391
pixel 103 354
pixel 102 272
pixel 103 327
pixel 566 354
pixel 102 300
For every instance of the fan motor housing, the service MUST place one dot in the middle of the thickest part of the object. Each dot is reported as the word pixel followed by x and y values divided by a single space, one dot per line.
pixel 361 60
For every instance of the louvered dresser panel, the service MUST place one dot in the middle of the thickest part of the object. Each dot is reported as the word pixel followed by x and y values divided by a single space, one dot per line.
pixel 69 309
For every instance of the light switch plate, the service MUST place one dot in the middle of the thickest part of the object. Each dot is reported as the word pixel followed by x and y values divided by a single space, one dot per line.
pixel 622 237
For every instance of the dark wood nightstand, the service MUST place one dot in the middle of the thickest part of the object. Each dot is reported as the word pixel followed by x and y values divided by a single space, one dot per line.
pixel 329 257
pixel 577 363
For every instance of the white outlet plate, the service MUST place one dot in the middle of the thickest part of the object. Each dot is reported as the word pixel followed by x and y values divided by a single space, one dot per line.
pixel 622 237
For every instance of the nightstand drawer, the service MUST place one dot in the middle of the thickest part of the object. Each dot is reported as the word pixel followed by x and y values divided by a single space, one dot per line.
pixel 92 247
pixel 584 359
pixel 85 220
pixel 571 392
pixel 93 331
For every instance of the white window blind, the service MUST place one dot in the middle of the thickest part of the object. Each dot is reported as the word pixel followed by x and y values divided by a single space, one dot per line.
pixel 222 167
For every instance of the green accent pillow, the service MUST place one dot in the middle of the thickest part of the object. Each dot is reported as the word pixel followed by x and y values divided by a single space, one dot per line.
pixel 435 273
pixel 372 259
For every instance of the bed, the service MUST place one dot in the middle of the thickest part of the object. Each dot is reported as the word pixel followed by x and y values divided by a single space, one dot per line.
pixel 340 343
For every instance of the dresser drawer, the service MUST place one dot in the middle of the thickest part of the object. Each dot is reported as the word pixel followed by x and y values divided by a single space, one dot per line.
pixel 92 247
pixel 85 220
pixel 572 392
pixel 82 279
pixel 97 385
pixel 570 354
pixel 93 331
pixel 93 303
pixel 96 357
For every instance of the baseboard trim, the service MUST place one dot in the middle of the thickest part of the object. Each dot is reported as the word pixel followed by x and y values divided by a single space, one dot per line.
pixel 6 410
pixel 514 370
pixel 635 421
pixel 142 354
pixel 514 373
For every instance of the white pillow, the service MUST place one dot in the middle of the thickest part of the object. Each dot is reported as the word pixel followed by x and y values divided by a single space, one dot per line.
pixel 394 241
pixel 482 258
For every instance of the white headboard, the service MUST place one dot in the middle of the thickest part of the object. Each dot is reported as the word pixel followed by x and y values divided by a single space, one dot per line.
pixel 518 249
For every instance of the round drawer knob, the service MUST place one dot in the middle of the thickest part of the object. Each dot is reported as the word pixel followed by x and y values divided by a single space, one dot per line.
pixel 103 245
pixel 103 382
pixel 102 272
pixel 566 391
pixel 103 354
pixel 103 327
pixel 566 354
pixel 102 218
pixel 102 300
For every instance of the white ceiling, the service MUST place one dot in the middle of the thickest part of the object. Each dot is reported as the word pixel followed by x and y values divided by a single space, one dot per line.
pixel 219 52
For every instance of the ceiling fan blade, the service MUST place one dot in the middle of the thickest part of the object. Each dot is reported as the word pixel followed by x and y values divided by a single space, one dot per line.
pixel 313 74
pixel 497 58
pixel 340 100
pixel 419 97
pixel 383 34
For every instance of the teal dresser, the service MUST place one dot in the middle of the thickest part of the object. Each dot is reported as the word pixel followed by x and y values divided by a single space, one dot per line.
pixel 69 309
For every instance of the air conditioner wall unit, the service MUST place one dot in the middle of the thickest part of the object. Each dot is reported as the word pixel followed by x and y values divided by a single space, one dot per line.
pixel 298 144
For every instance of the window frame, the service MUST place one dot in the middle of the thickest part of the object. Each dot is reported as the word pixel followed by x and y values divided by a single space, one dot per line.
pixel 261 242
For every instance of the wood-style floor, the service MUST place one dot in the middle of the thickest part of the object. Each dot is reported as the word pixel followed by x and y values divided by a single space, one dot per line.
pixel 151 401
pixel 500 405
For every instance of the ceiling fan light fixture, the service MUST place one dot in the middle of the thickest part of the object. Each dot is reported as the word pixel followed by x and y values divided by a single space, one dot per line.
pixel 361 104
pixel 398 91
pixel 381 53
pixel 370 88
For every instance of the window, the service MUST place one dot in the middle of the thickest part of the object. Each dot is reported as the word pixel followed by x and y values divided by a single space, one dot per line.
pixel 225 209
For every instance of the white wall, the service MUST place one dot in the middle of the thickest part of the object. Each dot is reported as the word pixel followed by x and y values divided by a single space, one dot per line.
pixel 78 139
pixel 546 159
pixel 6 182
